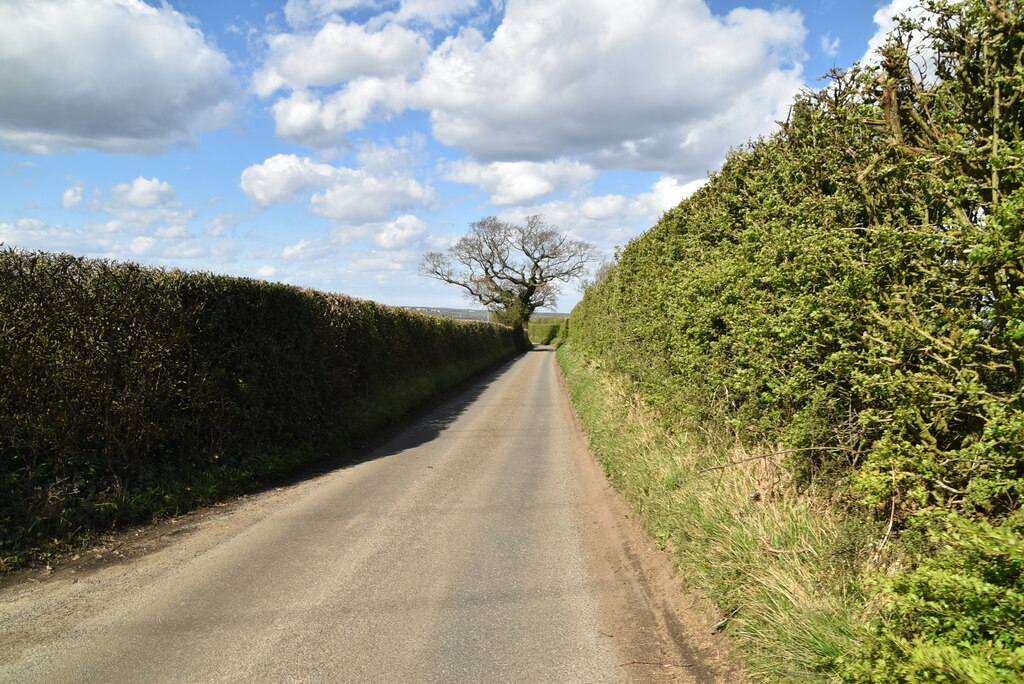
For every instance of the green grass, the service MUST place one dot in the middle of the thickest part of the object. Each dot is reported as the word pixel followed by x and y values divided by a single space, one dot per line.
pixel 783 570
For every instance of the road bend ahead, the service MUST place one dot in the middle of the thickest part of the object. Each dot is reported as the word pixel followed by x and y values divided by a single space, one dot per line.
pixel 477 545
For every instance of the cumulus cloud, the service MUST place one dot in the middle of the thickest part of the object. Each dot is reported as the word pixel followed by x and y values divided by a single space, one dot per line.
pixel 921 52
pixel 322 123
pixel 33 233
pixel 222 223
pixel 146 206
pixel 830 44
pixel 404 232
pixel 143 193
pixel 356 196
pixel 514 182
pixel 339 52
pixel 439 13
pixel 369 194
pixel 309 250
pixel 279 178
pixel 72 196
pixel 435 13
pixel 371 263
pixel 611 219
pixel 399 237
pixel 650 85
pixel 301 13
pixel 885 22
pixel 108 75
pixel 667 192
pixel 661 85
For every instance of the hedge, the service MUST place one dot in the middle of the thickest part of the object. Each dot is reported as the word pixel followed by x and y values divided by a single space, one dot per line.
pixel 129 392
pixel 545 330
pixel 849 293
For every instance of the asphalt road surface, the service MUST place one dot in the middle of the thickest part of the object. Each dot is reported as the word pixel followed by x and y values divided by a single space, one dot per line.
pixel 479 544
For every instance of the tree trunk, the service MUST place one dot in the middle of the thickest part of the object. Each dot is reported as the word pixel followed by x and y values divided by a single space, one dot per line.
pixel 520 337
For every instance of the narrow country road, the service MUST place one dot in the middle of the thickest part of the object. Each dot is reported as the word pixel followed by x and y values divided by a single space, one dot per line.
pixel 479 544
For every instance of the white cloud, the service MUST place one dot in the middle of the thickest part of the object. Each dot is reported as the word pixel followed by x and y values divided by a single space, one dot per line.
pixel 356 196
pixel 404 232
pixel 279 178
pixel 920 48
pixel 222 223
pixel 885 22
pixel 33 233
pixel 830 44
pixel 339 52
pixel 514 182
pixel 667 192
pixel 304 12
pixel 436 13
pixel 109 75
pixel 145 207
pixel 302 118
pixel 921 53
pixel 72 196
pixel 125 243
pixel 308 250
pixel 349 196
pixel 611 219
pixel 142 246
pixel 372 263
pixel 659 85
pixel 308 120
pixel 143 194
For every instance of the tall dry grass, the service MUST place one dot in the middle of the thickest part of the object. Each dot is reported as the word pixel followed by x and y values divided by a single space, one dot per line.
pixel 783 569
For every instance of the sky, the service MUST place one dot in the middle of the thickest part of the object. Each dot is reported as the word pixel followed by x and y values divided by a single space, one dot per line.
pixel 331 143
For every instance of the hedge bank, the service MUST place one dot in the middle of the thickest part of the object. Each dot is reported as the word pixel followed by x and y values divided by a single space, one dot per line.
pixel 129 392
pixel 846 298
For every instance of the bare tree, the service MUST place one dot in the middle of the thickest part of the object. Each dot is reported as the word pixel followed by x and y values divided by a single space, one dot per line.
pixel 511 269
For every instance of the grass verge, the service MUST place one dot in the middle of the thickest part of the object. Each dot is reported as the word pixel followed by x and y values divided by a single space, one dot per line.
pixel 784 570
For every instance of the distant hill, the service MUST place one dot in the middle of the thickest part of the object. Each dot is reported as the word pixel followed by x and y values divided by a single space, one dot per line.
pixel 468 314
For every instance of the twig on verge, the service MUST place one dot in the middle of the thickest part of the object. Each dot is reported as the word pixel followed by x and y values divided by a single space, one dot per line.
pixel 878 550
pixel 645 662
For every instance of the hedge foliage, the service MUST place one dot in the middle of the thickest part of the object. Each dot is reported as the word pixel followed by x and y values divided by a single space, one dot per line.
pixel 128 392
pixel 546 329
pixel 851 290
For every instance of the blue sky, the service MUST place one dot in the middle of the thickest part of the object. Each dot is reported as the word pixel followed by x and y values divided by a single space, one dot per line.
pixel 330 143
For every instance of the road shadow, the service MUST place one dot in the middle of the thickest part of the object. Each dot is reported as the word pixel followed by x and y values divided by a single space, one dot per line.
pixel 419 426
pixel 414 428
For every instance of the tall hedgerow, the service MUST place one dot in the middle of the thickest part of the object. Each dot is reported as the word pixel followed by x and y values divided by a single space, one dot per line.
pixel 545 329
pixel 129 392
pixel 848 294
